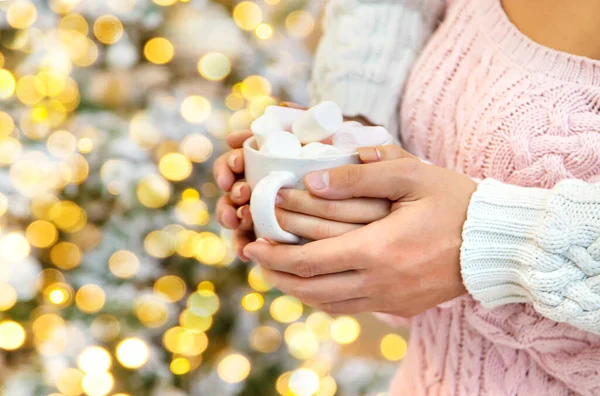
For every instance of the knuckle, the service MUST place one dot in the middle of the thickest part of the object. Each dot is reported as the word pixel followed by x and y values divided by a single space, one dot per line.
pixel 351 176
pixel 322 230
pixel 330 209
pixel 304 266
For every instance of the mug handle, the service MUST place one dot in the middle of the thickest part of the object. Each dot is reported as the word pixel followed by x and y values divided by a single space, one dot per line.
pixel 262 207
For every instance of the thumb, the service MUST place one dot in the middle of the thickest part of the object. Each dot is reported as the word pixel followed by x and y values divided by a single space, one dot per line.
pixel 383 153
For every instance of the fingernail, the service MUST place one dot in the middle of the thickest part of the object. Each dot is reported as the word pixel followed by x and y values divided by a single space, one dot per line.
pixel 236 191
pixel 231 161
pixel 240 212
pixel 278 199
pixel 371 154
pixel 318 180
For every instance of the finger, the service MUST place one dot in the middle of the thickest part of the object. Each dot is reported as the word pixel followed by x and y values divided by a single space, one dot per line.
pixel 235 140
pixel 322 257
pixel 319 289
pixel 356 210
pixel 383 153
pixel 310 227
pixel 243 213
pixel 225 166
pixel 240 240
pixel 348 307
pixel 226 213
pixel 240 193
pixel 388 179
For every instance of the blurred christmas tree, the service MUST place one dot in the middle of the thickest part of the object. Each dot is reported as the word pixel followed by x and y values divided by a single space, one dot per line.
pixel 114 277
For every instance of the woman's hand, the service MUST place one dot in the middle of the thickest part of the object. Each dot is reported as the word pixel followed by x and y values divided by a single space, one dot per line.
pixel 402 264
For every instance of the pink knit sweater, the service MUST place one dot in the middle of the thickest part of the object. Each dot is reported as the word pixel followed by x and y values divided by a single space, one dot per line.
pixel 486 101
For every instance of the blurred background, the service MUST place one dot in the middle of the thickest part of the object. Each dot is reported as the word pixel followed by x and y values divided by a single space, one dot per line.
pixel 115 278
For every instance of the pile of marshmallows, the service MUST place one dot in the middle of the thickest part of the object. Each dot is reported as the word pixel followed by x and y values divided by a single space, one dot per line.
pixel 310 128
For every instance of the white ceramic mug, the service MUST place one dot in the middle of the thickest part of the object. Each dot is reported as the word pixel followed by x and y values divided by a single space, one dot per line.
pixel 267 175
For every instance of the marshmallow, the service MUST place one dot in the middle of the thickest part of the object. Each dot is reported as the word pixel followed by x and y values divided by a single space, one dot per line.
pixel 351 137
pixel 318 123
pixel 319 150
pixel 264 126
pixel 281 144
pixel 285 115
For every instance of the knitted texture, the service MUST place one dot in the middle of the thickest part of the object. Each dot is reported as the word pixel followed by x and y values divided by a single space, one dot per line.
pixel 535 245
pixel 486 101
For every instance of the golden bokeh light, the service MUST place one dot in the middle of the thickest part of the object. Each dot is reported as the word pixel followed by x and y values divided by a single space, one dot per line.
pixel 59 294
pixel 234 102
pixel 7 84
pixel 164 3
pixel 214 66
pixel 160 244
pixel 247 15
pixel 265 339
pixel 286 309
pixel 67 216
pixel 185 341
pixel 327 387
pixel 302 343
pixel 151 310
pixel 3 204
pixel 41 234
pixel 194 109
pixel 12 335
pixel 393 347
pixel 108 29
pixel 94 359
pixel 198 148
pixel 90 298
pixel 153 191
pixel 171 287
pixel 14 247
pixel 180 366
pixel 257 281
pixel 175 166
pixel 304 382
pixel 191 321
pixel 192 212
pixel 68 382
pixel 74 22
pixel 10 150
pixel 8 296
pixel 203 303
pixel 21 14
pixel 320 323
pixel 7 124
pixel 233 368
pixel 159 51
pixel 281 385
pixel 258 104
pixel 132 353
pixel 30 90
pixel 254 86
pixel 344 329
pixel 190 194
pixel 264 31
pixel 97 383
pixel 65 255
pixel 210 249
pixel 300 23
pixel 85 145
pixel 252 302
pixel 124 264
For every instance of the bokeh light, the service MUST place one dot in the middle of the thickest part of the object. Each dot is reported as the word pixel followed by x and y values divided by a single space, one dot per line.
pixel 90 298
pixel 108 29
pixel 393 347
pixel 247 15
pixel 124 264
pixel 195 109
pixel 94 359
pixel 345 329
pixel 159 50
pixel 286 309
pixel 12 335
pixel 214 66
pixel 132 353
pixel 234 368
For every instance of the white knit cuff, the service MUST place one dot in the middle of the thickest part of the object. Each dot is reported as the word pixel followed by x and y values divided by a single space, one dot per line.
pixel 498 242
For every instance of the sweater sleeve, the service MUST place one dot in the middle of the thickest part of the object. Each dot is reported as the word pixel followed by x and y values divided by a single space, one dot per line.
pixel 528 245
pixel 366 52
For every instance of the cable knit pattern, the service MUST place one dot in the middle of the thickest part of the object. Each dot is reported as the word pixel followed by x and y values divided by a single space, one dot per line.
pixel 539 246
pixel 485 100
pixel 366 53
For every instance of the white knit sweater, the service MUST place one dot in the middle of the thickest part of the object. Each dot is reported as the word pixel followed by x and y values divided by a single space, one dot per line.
pixel 519 244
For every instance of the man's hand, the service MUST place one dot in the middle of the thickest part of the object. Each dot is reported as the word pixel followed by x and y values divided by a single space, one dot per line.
pixel 402 264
